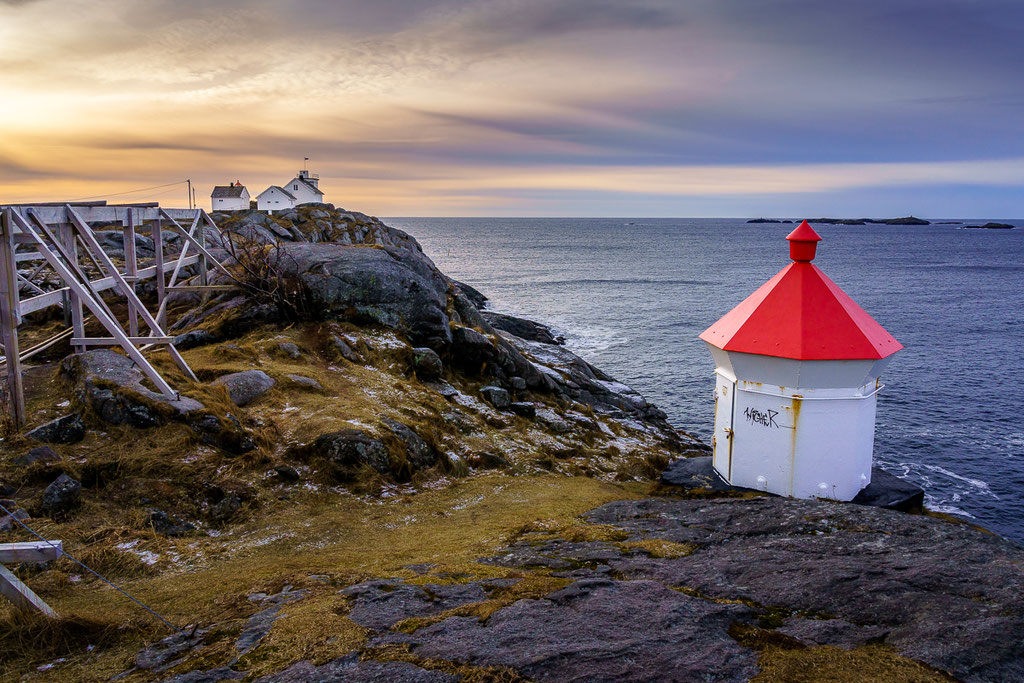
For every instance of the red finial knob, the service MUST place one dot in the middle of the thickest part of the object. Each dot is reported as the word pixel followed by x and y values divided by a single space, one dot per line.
pixel 803 242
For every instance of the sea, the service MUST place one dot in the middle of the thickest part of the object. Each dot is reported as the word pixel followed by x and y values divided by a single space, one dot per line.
pixel 630 295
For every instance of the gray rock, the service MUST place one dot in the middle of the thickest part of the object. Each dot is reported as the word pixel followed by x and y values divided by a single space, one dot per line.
pixel 523 409
pixel 522 328
pixel 221 673
pixel 350 448
pixel 66 429
pixel 222 511
pixel 518 383
pixel 418 453
pixel 601 630
pixel 62 496
pixel 163 523
pixel 194 338
pixel 43 454
pixel 948 594
pixel 290 349
pixel 350 669
pixel 496 396
pixel 471 293
pixel 93 372
pixel 164 653
pixel 10 521
pixel 286 474
pixel 305 382
pixel 256 629
pixel 427 363
pixel 379 604
pixel 470 349
pixel 345 350
pixel 397 288
pixel 246 386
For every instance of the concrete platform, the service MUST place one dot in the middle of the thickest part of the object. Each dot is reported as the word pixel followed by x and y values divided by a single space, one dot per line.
pixel 884 491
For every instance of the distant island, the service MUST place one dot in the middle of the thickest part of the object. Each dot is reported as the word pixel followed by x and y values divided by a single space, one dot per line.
pixel 906 220
pixel 989 226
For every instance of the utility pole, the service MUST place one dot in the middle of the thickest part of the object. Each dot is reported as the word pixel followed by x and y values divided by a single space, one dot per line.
pixel 189 181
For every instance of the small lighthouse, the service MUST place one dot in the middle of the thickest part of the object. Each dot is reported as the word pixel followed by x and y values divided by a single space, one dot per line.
pixel 798 365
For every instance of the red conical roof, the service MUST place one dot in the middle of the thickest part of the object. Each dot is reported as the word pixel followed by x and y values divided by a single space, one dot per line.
pixel 800 313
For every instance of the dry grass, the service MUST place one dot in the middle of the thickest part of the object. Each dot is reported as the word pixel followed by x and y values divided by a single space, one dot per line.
pixel 659 548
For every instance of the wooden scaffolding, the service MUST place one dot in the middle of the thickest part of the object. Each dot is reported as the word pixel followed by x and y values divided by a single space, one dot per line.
pixel 53 238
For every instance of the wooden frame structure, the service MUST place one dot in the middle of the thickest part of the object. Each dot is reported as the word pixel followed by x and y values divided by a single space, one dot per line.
pixel 57 235
pixel 11 587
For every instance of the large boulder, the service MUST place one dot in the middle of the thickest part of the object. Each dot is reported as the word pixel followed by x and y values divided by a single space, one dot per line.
pixel 396 288
pixel 112 386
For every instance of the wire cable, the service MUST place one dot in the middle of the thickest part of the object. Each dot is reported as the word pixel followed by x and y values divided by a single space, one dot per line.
pixel 91 571
pixel 118 194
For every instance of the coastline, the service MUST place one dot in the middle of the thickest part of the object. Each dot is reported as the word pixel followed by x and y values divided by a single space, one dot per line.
pixel 415 523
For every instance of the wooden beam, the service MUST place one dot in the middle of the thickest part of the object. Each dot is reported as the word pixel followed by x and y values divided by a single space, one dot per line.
pixel 90 299
pixel 111 341
pixel 31 551
pixel 131 268
pixel 203 288
pixel 10 319
pixel 12 588
pixel 90 239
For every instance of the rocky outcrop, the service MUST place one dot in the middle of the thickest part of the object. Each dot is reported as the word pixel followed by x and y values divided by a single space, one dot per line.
pixel 61 497
pixel 522 328
pixel 111 386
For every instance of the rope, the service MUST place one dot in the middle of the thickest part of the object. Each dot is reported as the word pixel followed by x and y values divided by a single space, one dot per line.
pixel 119 194
pixel 92 571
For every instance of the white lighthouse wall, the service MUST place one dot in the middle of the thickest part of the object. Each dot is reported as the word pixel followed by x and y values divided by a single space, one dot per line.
pixel 834 446
pixel 787 372
pixel 791 443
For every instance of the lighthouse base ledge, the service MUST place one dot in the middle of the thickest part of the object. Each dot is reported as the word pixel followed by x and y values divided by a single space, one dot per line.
pixel 885 490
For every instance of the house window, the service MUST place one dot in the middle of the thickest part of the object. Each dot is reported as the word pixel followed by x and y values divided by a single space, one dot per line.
pixel 295 187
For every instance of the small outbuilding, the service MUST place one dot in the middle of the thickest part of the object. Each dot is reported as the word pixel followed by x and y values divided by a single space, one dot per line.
pixel 797 367
pixel 233 197
pixel 275 198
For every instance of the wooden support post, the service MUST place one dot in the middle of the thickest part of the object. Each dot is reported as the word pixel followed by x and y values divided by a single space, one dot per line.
pixel 204 266
pixel 131 270
pixel 72 300
pixel 161 283
pixel 9 319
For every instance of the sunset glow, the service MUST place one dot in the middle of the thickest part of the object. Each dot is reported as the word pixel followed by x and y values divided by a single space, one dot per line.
pixel 517 107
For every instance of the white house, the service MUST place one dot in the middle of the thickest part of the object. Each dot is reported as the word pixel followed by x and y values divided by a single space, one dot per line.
pixel 275 198
pixel 304 187
pixel 233 197
pixel 301 189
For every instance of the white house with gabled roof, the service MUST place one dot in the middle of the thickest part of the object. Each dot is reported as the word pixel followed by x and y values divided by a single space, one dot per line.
pixel 275 198
pixel 232 197
pixel 302 189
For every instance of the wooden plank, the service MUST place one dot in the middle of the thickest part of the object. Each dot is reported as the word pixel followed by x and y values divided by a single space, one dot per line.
pixel 12 588
pixel 10 319
pixel 54 213
pixel 111 341
pixel 131 268
pixel 158 268
pixel 203 288
pixel 42 301
pixel 31 551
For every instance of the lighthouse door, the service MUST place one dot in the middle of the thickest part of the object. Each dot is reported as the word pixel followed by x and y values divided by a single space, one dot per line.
pixel 725 402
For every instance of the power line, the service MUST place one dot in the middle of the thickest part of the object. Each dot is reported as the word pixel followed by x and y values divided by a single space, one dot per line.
pixel 118 194
pixel 90 570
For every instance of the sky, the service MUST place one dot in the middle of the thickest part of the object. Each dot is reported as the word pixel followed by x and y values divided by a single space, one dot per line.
pixel 790 108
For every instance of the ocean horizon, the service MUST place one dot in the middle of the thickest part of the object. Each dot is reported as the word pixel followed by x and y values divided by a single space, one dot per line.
pixel 631 295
